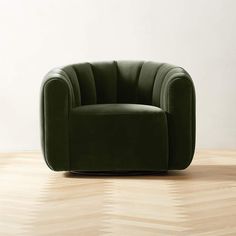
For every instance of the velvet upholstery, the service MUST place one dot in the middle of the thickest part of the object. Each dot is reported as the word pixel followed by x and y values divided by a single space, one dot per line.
pixel 118 116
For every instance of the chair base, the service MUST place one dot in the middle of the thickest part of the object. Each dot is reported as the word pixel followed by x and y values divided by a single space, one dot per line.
pixel 119 173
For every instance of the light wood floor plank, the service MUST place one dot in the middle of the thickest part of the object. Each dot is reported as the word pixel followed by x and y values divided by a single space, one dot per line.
pixel 198 201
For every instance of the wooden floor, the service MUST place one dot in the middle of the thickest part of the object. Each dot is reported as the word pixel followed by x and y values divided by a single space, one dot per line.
pixel 198 201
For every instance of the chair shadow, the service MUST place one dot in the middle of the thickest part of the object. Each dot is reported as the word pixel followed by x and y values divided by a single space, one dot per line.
pixel 192 173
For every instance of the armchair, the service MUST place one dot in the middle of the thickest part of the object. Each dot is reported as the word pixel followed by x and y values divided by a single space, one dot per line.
pixel 118 116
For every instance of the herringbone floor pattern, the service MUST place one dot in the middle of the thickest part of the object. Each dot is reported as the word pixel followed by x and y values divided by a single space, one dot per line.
pixel 198 201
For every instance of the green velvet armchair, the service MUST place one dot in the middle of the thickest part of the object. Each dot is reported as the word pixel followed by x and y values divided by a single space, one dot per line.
pixel 118 116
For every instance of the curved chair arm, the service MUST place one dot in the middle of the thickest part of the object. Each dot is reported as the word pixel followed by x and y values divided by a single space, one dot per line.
pixel 177 98
pixel 57 99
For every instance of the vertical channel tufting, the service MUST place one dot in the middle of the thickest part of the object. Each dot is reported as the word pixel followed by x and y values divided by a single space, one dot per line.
pixel 70 73
pixel 78 88
pixel 117 79
pixel 159 78
pixel 105 76
pixel 146 82
pixel 128 73
pixel 173 73
pixel 137 83
pixel 94 81
pixel 59 73
pixel 87 83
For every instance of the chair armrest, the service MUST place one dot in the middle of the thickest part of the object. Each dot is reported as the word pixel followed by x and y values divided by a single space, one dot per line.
pixel 177 98
pixel 57 99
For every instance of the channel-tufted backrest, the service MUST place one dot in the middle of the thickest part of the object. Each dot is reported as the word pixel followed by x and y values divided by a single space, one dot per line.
pixel 118 82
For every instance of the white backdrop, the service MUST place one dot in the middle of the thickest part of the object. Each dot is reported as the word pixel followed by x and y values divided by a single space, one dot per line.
pixel 36 36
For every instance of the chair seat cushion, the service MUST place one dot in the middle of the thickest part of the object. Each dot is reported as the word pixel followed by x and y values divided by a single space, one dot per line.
pixel 118 137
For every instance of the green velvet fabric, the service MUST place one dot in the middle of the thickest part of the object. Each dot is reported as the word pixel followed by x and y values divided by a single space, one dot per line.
pixel 118 137
pixel 119 115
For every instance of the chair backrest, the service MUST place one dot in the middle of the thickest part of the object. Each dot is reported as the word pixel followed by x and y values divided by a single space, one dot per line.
pixel 117 82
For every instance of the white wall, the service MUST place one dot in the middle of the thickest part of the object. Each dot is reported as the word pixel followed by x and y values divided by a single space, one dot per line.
pixel 36 36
